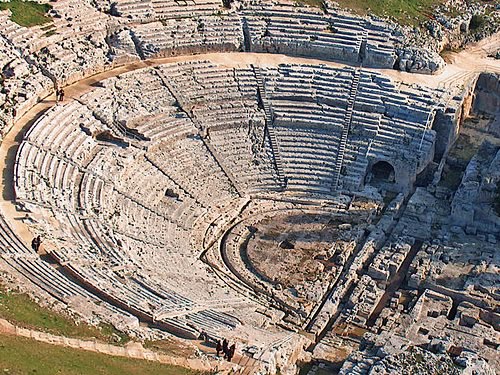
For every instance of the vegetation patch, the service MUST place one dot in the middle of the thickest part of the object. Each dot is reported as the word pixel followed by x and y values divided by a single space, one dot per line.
pixel 170 347
pixel 477 22
pixel 464 148
pixel 451 178
pixel 27 13
pixel 409 12
pixel 496 202
pixel 20 310
pixel 313 3
pixel 389 197
pixel 19 355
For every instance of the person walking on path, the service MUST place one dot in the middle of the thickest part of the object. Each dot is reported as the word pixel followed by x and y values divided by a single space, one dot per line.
pixel 225 347
pixel 61 94
pixel 230 353
pixel 218 347
pixel 35 243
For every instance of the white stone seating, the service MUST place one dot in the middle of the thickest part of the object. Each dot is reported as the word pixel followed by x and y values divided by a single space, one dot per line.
pixel 309 83
pixel 129 97
pixel 188 36
pixel 165 126
pixel 303 31
pixel 138 10
pixel 212 321
pixel 27 263
pixel 385 116
pixel 174 298
pixel 100 236
pixel 191 8
pixel 110 201
pixel 201 82
pixel 309 156
pixel 47 178
pixel 142 181
pixel 306 31
pixel 129 217
pixel 77 17
pixel 227 114
pixel 139 297
pixel 215 96
pixel 188 162
pixel 72 59
pixel 252 168
pixel 25 39
pixel 308 107
pixel 47 278
pixel 380 45
pixel 65 138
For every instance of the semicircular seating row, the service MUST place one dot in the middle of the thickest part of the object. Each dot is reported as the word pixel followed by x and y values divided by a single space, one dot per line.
pixel 125 211
pixel 87 37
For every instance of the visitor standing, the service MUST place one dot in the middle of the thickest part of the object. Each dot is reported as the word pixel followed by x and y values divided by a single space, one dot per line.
pixel 35 243
pixel 218 347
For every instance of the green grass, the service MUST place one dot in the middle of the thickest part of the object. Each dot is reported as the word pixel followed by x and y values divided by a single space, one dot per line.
pixel 27 13
pixel 477 22
pixel 19 309
pixel 464 148
pixel 451 179
pixel 313 3
pixel 169 347
pixel 19 355
pixel 410 12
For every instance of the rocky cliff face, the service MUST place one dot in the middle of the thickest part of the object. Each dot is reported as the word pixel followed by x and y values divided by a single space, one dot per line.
pixel 418 60
pixel 454 24
pixel 487 99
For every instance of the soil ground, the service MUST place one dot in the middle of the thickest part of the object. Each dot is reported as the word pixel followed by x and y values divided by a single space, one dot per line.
pixel 311 237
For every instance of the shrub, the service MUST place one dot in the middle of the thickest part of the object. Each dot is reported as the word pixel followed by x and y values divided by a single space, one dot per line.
pixel 496 201
pixel 477 21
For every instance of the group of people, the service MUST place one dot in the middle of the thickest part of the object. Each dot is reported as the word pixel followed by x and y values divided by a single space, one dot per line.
pixel 221 346
pixel 227 350
pixel 59 95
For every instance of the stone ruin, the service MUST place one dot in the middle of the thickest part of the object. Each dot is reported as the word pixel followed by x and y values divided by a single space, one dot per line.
pixel 297 208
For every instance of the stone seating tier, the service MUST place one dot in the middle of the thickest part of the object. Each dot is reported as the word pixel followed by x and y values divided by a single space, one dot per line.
pixel 128 212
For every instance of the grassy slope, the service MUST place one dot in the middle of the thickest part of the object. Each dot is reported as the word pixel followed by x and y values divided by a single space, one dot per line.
pixel 168 347
pixel 27 13
pixel 21 310
pixel 19 355
pixel 23 356
pixel 405 11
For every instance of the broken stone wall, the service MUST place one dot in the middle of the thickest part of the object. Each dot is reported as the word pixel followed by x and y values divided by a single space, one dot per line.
pixel 487 95
pixel 448 120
